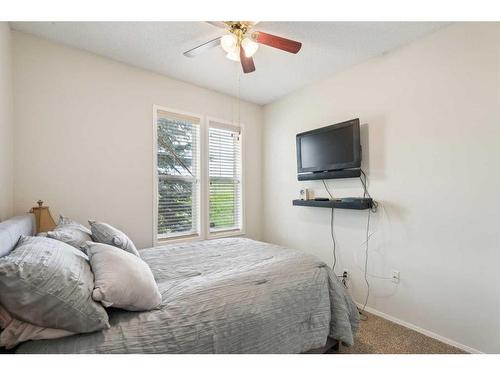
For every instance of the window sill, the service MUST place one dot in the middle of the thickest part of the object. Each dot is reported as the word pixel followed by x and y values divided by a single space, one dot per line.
pixel 171 240
pixel 210 236
pixel 226 233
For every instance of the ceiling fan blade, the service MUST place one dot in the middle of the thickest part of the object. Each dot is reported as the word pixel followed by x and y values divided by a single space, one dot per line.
pixel 202 47
pixel 246 62
pixel 220 24
pixel 278 42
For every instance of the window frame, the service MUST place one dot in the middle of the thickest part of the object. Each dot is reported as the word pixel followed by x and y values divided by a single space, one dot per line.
pixel 186 237
pixel 230 126
pixel 203 213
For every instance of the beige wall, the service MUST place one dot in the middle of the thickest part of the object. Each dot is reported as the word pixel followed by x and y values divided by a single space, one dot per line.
pixel 431 131
pixel 430 115
pixel 84 133
pixel 6 124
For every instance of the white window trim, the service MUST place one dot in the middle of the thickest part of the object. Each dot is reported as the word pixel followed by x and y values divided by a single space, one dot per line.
pixel 203 219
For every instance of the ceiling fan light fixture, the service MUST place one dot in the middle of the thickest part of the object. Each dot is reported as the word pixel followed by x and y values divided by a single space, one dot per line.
pixel 241 42
pixel 249 46
pixel 229 43
pixel 234 55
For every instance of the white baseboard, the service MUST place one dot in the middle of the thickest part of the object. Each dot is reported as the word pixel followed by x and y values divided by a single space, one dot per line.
pixel 423 331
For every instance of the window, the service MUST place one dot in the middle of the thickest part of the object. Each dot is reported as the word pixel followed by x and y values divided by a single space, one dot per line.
pixel 198 177
pixel 178 160
pixel 224 170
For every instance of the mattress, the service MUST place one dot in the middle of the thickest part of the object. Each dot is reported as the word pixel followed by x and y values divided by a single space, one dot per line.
pixel 230 295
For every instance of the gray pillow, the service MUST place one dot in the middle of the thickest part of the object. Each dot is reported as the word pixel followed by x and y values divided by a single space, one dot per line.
pixel 49 284
pixel 122 280
pixel 105 233
pixel 70 232
pixel 12 229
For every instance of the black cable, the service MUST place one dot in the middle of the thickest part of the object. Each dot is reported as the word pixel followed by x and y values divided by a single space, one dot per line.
pixel 366 262
pixel 366 193
pixel 327 190
pixel 331 230
pixel 334 242
pixel 373 209
pixel 365 188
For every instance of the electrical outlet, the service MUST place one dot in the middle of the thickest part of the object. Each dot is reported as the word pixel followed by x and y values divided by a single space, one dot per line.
pixel 345 273
pixel 395 277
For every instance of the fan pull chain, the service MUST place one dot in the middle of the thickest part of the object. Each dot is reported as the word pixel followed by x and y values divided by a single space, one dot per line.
pixel 239 99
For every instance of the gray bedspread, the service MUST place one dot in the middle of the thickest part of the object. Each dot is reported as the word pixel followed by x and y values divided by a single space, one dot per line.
pixel 226 296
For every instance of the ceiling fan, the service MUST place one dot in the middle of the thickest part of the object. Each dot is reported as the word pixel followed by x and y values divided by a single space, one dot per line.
pixel 241 43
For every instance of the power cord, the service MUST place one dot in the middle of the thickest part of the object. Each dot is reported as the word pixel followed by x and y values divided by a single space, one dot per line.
pixel 364 182
pixel 366 263
pixel 364 244
pixel 327 190
pixel 333 240
pixel 332 231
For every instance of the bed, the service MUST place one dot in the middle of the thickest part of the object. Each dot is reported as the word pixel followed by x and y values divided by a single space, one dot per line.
pixel 232 295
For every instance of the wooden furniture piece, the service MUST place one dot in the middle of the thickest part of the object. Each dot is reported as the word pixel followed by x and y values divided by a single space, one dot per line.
pixel 44 220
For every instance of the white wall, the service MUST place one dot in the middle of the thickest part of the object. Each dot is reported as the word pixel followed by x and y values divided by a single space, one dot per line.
pixel 431 143
pixel 84 133
pixel 6 124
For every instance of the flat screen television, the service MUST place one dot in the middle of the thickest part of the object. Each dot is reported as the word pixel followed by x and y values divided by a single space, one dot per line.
pixel 332 148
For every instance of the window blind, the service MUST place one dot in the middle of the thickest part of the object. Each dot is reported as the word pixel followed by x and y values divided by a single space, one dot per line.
pixel 224 170
pixel 178 155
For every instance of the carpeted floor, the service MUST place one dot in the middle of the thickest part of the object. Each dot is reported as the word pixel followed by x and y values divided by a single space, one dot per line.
pixel 380 336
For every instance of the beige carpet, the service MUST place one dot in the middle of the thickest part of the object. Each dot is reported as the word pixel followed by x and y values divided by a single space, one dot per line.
pixel 380 336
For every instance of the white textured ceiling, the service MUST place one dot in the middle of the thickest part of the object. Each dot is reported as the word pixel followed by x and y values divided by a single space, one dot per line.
pixel 327 48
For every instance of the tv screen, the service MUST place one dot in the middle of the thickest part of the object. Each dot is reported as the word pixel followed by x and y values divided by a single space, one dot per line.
pixel 331 148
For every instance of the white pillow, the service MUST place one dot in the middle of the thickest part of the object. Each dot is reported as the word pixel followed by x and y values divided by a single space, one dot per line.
pixel 121 279
pixel 15 331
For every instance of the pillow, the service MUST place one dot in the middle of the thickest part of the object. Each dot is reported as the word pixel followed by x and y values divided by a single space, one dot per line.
pixel 15 331
pixel 122 280
pixel 105 233
pixel 70 232
pixel 12 229
pixel 49 284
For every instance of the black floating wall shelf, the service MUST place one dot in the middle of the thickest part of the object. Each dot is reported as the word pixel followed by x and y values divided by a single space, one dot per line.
pixel 349 203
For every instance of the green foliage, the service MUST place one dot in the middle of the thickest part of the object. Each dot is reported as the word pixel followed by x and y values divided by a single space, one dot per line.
pixel 175 147
pixel 222 205
pixel 175 206
pixel 175 157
